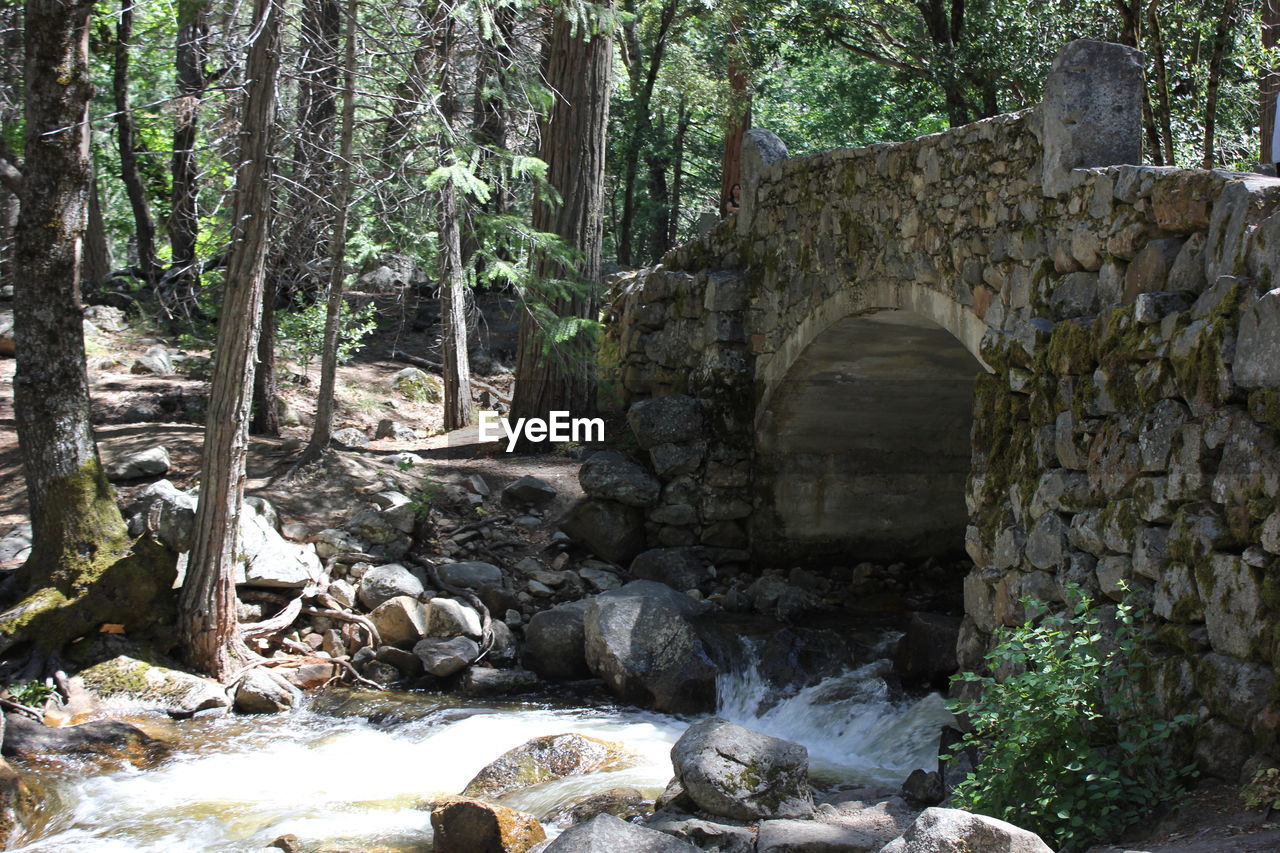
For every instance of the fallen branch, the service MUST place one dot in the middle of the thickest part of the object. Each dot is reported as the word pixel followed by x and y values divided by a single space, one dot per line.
pixel 275 624
pixel 10 705
pixel 347 616
pixel 486 624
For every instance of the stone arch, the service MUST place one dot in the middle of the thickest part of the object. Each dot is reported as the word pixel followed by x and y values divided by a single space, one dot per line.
pixel 862 431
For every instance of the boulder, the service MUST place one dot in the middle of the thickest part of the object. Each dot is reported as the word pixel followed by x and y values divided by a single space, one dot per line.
pixel 156 361
pixel 400 621
pixel 613 477
pixel 673 419
pixel 449 618
pixel 470 575
pixel 139 682
pixel 734 772
pixel 528 490
pixel 464 825
pixel 621 802
pixel 607 833
pixel 678 568
pixel 15 546
pixel 927 651
pixel 545 759
pixel 483 681
pixel 386 582
pixel 924 788
pixel 165 510
pixel 262 692
pixel 418 385
pixel 555 643
pixel 445 657
pixel 270 560
pixel 811 836
pixel 351 437
pixel 704 833
pixel 952 831
pixel 382 531
pixel 151 462
pixel 27 739
pixel 610 529
pixel 640 641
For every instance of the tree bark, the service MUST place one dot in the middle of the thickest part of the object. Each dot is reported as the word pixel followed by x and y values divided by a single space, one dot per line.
pixel 184 219
pixel 79 534
pixel 1220 37
pixel 143 228
pixel 557 372
pixel 322 430
pixel 677 173
pixel 1163 117
pixel 737 122
pixel 207 607
pixel 453 316
pixel 11 86
pixel 96 264
pixel 1269 84
pixel 642 97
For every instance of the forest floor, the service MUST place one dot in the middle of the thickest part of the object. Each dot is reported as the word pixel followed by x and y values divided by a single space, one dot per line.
pixel 1210 820
pixel 321 497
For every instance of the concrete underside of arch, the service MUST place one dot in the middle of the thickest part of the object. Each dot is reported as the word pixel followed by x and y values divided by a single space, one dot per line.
pixel 863 447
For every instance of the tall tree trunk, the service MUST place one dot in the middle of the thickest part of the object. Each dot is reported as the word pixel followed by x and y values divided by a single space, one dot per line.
pixel 677 172
pixel 207 607
pixel 11 86
pixel 560 376
pixel 737 122
pixel 642 98
pixel 490 127
pixel 1163 117
pixel 322 430
pixel 79 534
pixel 659 198
pixel 453 316
pixel 296 260
pixel 96 264
pixel 1270 83
pixel 453 275
pixel 184 219
pixel 1220 37
pixel 143 228
pixel 409 94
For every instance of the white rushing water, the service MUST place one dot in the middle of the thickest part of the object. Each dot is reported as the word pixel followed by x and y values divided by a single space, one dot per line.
pixel 343 783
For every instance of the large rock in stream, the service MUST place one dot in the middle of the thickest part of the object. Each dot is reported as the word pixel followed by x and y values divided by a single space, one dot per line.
pixel 555 642
pixel 113 739
pixel 545 759
pixel 954 831
pixel 734 772
pixel 640 641
pixel 608 833
pixel 465 825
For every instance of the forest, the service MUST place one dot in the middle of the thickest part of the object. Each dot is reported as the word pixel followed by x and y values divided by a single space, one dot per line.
pixel 235 182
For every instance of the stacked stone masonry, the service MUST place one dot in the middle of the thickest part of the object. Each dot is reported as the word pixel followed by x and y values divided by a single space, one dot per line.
pixel 1126 410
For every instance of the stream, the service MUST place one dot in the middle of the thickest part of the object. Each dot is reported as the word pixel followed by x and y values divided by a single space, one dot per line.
pixel 357 770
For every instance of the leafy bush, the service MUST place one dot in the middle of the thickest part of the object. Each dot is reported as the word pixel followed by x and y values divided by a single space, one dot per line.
pixel 1071 745
pixel 1262 791
pixel 302 330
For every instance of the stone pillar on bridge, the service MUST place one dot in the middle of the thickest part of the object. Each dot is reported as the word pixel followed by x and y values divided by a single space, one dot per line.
pixel 759 149
pixel 1092 111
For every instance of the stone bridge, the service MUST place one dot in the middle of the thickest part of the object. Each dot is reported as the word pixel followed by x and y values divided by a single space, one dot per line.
pixel 993 339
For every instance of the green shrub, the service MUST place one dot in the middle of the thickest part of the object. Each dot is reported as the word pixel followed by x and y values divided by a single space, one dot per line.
pixel 302 330
pixel 1071 744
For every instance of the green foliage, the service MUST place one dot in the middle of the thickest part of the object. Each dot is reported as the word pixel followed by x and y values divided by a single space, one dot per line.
pixel 1071 744
pixel 1262 792
pixel 302 330
pixel 33 694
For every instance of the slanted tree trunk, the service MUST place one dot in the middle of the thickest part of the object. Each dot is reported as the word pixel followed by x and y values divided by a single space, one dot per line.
pixel 1162 118
pixel 184 218
pixel 96 264
pixel 558 374
pixel 79 535
pixel 207 607
pixel 322 430
pixel 144 229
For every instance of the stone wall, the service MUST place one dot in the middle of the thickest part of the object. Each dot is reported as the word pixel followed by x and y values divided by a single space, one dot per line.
pixel 1126 349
